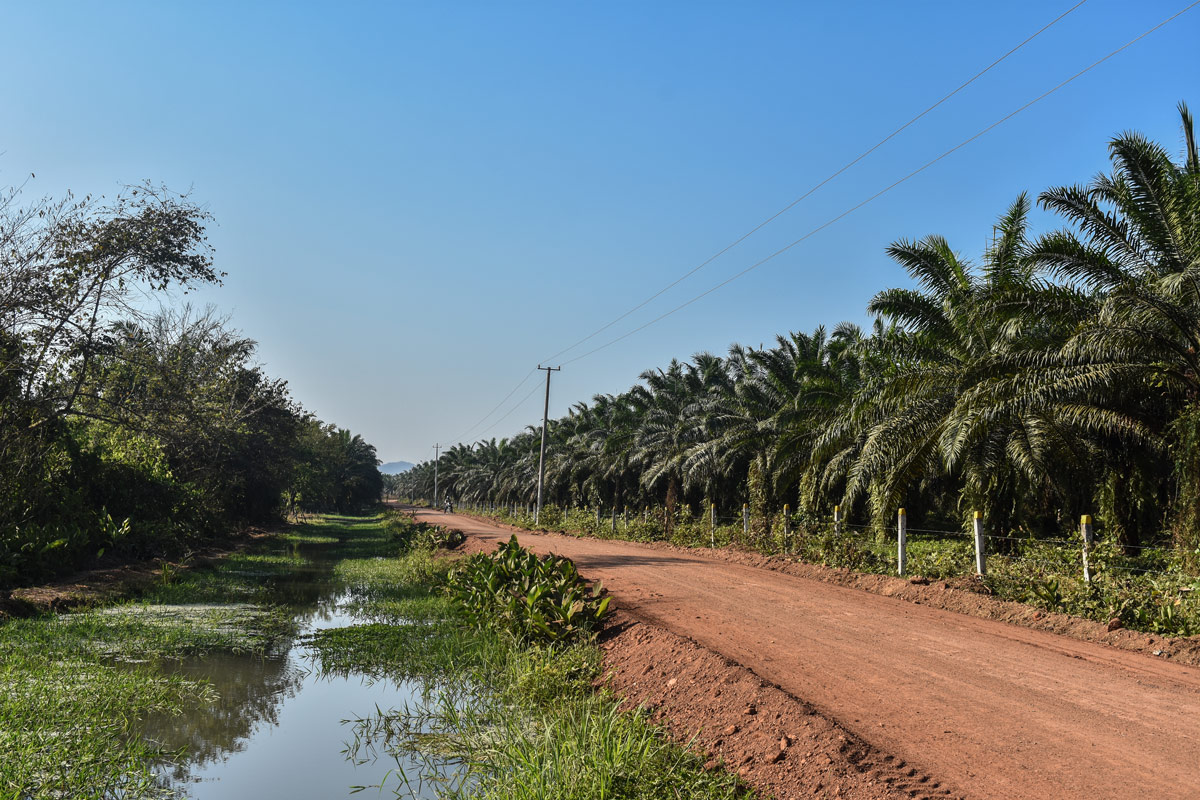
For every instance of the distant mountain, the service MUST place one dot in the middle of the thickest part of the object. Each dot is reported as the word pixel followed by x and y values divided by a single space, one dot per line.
pixel 395 467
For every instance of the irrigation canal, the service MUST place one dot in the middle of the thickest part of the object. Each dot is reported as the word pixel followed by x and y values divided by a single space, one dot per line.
pixel 280 727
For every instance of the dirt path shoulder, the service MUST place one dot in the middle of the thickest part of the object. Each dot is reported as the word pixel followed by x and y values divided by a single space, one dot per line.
pixel 962 705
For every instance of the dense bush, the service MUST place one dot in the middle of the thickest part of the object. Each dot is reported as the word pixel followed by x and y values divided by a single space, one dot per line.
pixel 133 433
pixel 536 598
pixel 411 534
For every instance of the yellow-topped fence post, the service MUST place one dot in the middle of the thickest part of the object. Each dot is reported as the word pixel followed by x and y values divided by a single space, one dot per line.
pixel 980 546
pixel 787 526
pixel 901 542
pixel 1085 530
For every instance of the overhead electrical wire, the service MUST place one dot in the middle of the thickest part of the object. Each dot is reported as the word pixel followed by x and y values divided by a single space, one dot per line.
pixel 817 186
pixel 832 220
pixel 523 399
pixel 483 419
pixel 774 216
pixel 885 190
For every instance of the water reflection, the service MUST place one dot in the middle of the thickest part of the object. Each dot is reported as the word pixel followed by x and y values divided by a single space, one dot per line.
pixel 280 729
pixel 251 692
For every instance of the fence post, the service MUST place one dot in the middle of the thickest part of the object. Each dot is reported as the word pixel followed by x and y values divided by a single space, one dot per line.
pixel 837 520
pixel 745 520
pixel 980 546
pixel 625 517
pixel 1085 529
pixel 787 527
pixel 614 520
pixel 901 542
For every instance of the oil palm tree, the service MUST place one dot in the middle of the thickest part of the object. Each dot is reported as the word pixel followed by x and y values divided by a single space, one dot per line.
pixel 1135 248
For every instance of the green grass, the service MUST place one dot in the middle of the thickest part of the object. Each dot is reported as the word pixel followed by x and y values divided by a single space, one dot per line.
pixel 75 689
pixel 69 719
pixel 521 721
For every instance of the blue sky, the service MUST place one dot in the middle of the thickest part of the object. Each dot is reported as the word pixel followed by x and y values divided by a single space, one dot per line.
pixel 416 202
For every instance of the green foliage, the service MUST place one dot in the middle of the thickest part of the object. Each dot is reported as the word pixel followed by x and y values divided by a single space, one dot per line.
pixel 535 598
pixel 521 717
pixel 409 533
pixel 1054 375
pixel 335 470
pixel 164 422
pixel 859 553
pixel 68 726
pixel 1187 471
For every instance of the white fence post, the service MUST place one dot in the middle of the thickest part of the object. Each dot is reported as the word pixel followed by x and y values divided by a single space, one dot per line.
pixel 1085 529
pixel 614 520
pixel 787 527
pixel 597 516
pixel 837 520
pixel 980 546
pixel 901 542
pixel 745 519
pixel 712 524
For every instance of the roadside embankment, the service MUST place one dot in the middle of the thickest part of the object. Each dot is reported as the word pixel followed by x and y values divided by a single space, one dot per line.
pixel 994 709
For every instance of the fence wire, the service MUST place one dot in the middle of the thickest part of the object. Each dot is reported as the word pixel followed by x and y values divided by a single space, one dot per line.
pixel 880 542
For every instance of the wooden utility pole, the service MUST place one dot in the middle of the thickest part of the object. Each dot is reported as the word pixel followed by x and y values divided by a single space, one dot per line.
pixel 542 457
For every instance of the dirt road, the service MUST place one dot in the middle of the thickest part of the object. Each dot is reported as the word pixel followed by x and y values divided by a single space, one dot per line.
pixel 999 711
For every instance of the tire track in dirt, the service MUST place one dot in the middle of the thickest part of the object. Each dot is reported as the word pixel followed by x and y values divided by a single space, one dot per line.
pixel 995 710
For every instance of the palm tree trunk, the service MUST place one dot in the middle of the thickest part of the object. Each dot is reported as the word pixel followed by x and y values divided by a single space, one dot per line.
pixel 672 499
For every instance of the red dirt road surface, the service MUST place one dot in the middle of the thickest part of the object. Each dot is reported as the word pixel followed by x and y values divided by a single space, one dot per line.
pixel 992 709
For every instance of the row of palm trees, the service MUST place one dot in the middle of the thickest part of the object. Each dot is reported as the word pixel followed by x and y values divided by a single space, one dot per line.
pixel 1058 375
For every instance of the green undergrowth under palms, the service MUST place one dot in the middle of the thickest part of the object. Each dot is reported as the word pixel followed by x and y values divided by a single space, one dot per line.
pixel 1151 592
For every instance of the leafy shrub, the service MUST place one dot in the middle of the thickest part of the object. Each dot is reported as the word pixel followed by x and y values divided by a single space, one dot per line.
pixel 535 598
pixel 823 546
pixel 411 534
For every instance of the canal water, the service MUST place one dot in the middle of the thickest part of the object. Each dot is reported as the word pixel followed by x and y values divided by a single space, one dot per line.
pixel 280 727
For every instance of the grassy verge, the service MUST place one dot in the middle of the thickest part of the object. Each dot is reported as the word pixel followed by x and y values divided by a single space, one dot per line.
pixel 512 717
pixel 76 688
pixel 1150 592
pixel 519 719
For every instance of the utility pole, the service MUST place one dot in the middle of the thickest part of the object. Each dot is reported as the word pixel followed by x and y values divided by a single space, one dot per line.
pixel 436 450
pixel 542 458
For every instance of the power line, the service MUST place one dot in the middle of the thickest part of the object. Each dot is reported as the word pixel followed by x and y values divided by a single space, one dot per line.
pixel 523 399
pixel 885 190
pixel 460 437
pixel 774 216
pixel 813 189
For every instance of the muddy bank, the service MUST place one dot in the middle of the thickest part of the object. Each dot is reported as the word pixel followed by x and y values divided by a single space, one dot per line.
pixel 116 579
